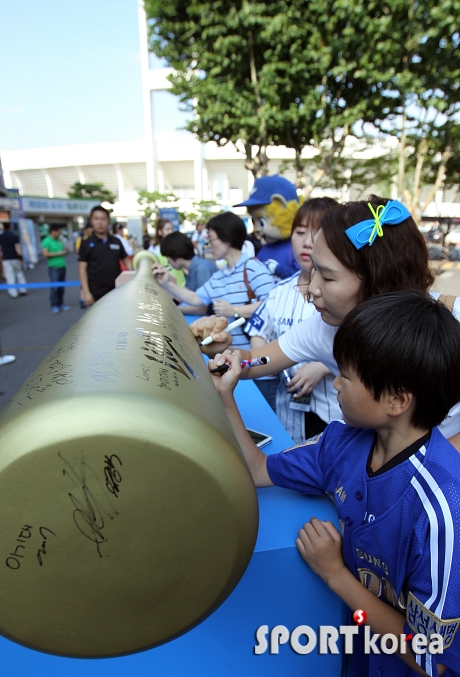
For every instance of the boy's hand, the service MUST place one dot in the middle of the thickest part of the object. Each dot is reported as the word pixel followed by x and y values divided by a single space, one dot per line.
pixel 212 326
pixel 226 383
pixel 320 545
pixel 162 276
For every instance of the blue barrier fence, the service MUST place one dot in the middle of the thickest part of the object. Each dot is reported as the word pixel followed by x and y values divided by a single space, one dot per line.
pixel 40 285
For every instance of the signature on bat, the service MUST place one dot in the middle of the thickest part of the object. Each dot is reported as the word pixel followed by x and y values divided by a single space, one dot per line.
pixel 93 508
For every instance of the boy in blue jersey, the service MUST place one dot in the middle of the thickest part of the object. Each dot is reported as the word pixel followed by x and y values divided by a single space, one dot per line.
pixel 394 478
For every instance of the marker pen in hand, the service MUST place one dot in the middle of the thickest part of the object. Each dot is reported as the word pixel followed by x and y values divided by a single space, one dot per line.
pixel 233 325
pixel 288 380
pixel 256 362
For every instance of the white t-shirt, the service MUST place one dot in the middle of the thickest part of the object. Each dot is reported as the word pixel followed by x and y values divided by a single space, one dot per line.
pixel 285 307
pixel 200 240
pixel 127 247
pixel 248 249
pixel 312 341
pixel 155 249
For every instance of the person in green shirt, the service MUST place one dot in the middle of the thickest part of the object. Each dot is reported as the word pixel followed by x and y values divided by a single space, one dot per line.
pixel 55 251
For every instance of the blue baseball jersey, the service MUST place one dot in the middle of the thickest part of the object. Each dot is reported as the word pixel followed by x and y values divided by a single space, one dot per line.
pixel 401 532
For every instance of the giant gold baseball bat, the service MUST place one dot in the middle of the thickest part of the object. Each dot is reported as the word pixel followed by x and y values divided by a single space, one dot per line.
pixel 127 511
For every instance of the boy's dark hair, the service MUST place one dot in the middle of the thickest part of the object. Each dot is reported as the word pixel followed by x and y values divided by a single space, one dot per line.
pixel 7 225
pixel 398 260
pixel 229 228
pixel 55 226
pixel 404 341
pixel 310 213
pixel 99 208
pixel 177 246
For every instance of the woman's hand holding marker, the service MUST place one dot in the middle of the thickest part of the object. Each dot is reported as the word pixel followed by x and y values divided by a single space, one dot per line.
pixel 233 325
pixel 215 327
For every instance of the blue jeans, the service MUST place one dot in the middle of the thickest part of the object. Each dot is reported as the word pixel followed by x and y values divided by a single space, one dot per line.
pixel 57 293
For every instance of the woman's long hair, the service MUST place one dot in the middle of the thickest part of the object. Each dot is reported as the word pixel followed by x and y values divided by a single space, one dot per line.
pixel 159 225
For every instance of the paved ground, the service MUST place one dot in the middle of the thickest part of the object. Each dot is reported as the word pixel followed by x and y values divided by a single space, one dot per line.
pixel 28 330
pixel 448 281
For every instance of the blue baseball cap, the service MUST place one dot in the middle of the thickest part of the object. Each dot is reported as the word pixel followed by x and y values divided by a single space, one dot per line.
pixel 267 186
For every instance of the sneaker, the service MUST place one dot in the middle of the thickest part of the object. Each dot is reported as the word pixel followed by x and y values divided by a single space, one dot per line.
pixel 64 308
pixel 55 310
pixel 82 304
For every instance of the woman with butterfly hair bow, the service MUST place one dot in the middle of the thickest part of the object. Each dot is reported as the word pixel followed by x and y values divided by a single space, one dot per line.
pixel 363 249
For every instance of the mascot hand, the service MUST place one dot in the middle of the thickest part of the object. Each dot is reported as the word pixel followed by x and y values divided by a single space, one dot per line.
pixel 271 265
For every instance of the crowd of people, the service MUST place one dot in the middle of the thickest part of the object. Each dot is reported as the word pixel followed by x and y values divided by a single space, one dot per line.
pixel 364 374
pixel 388 352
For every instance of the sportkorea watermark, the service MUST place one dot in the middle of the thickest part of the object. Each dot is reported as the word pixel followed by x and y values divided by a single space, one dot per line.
pixel 303 639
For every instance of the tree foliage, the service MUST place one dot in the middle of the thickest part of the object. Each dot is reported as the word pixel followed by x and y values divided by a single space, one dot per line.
pixel 95 191
pixel 260 74
pixel 310 72
pixel 151 202
pixel 203 211
pixel 421 100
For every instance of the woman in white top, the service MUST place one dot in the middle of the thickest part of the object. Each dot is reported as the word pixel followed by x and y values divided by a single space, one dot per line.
pixel 363 249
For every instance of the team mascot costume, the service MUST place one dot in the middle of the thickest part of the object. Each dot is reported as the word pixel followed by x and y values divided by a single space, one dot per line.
pixel 272 205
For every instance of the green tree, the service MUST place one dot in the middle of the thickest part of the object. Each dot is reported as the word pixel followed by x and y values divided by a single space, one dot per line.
pixel 214 48
pixel 261 74
pixel 204 210
pixel 95 191
pixel 151 202
pixel 421 100
pixel 299 73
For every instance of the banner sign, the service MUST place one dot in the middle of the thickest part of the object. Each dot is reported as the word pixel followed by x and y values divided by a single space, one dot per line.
pixel 58 206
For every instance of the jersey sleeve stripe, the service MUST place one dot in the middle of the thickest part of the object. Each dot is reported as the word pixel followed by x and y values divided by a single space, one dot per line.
pixel 446 533
pixel 439 600
pixel 433 539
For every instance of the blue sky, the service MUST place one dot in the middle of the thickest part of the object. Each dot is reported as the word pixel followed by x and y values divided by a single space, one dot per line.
pixel 70 72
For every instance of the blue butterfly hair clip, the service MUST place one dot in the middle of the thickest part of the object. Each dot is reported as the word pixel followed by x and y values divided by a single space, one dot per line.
pixel 366 231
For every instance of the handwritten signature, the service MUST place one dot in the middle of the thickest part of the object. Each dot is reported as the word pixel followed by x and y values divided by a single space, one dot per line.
pixel 42 550
pixel 90 512
pixel 33 387
pixel 112 475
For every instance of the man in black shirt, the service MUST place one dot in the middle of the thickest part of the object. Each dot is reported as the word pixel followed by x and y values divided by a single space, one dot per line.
pixel 12 258
pixel 99 258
